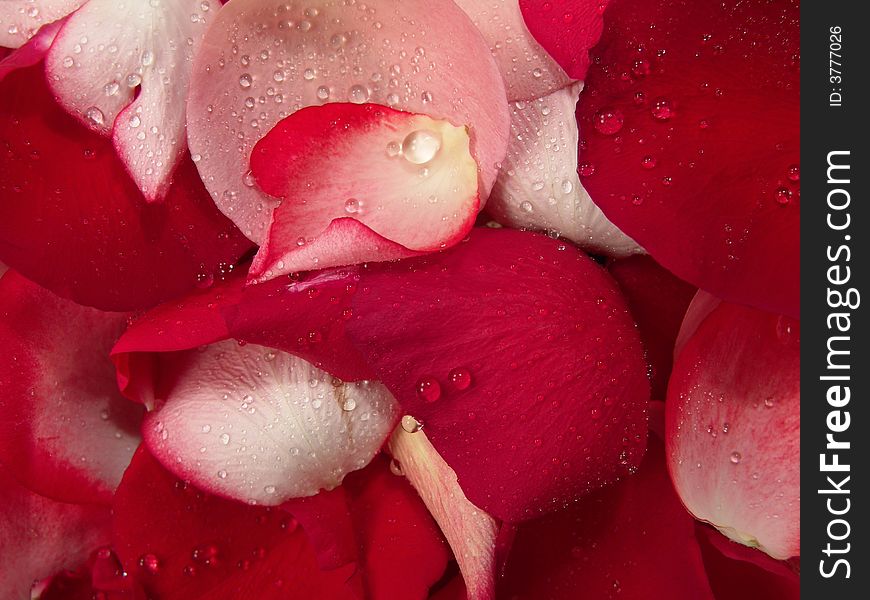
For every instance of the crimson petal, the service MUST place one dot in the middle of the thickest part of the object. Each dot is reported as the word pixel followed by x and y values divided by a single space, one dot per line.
pixel 73 220
pixel 658 302
pixel 180 542
pixel 491 344
pixel 692 134
pixel 65 431
pixel 632 540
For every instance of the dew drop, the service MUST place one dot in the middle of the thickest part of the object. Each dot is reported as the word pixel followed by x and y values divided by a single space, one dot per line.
pixel 526 206
pixel 358 94
pixel 460 378
pixel 351 206
pixel 348 405
pixel 648 162
pixel 225 438
pixel 149 563
pixel 794 173
pixel 586 170
pixel 323 92
pixel 608 121
pixel 111 88
pixel 222 474
pixel 783 196
pixel 663 110
pixel 735 457
pixel 95 115
pixel 420 146
pixel 428 389
pixel 394 149
pixel 245 81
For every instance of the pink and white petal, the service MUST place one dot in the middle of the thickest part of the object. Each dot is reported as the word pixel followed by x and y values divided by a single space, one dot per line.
pixel 262 60
pixel 21 19
pixel 65 430
pixel 470 531
pixel 345 241
pixel 262 426
pixel 409 178
pixel 733 427
pixel 39 537
pixel 528 70
pixel 123 68
pixel 32 52
pixel 538 186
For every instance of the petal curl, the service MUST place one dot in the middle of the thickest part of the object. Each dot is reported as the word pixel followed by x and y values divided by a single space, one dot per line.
pixel 418 56
pixel 123 69
pixel 261 426
pixel 505 336
pixel 733 427
pixel 408 178
pixel 528 71
pixel 74 222
pixel 180 542
pixel 539 187
pixel 65 431
pixel 692 135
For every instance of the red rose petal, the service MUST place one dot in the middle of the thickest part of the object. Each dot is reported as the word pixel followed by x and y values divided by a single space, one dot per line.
pixel 733 427
pixel 658 302
pixel 735 578
pixel 306 317
pixel 179 542
pixel 333 162
pixel 40 537
pixel 513 350
pixel 692 133
pixel 327 523
pixel 567 29
pixel 73 221
pixel 631 540
pixel 65 431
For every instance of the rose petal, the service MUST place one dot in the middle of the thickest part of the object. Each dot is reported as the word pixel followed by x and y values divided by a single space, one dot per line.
pixel 124 69
pixel 74 222
pixel 20 20
pixel 631 540
pixel 733 427
pixel 326 519
pixel 490 344
pixel 419 56
pixel 39 537
pixel 658 303
pixel 566 29
pixel 262 426
pixel 694 147
pixel 65 431
pixel 180 542
pixel 731 577
pixel 539 188
pixel 470 531
pixel 528 71
pixel 332 162
pixel 305 317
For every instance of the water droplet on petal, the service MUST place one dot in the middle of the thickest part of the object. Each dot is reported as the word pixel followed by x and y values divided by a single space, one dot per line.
pixel 420 146
pixel 735 457
pixel 663 109
pixel 608 121
pixel 460 378
pixel 149 563
pixel 358 94
pixel 95 115
pixel 428 389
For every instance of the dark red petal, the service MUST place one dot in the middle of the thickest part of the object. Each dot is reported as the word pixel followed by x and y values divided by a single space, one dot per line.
pixel 733 426
pixel 631 540
pixel 65 431
pixel 402 552
pixel 519 356
pixel 306 317
pixel 73 220
pixel 690 120
pixel 378 521
pixel 735 576
pixel 658 303
pixel 566 29
pixel 180 542
pixel 40 537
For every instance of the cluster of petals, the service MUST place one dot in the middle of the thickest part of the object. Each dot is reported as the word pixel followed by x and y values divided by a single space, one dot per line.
pixel 399 299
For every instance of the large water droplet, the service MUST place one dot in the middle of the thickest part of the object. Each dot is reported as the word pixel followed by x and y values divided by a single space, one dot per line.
pixel 358 94
pixel 735 457
pixel 460 378
pixel 95 115
pixel 421 146
pixel 608 121
pixel 428 389
pixel 663 109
